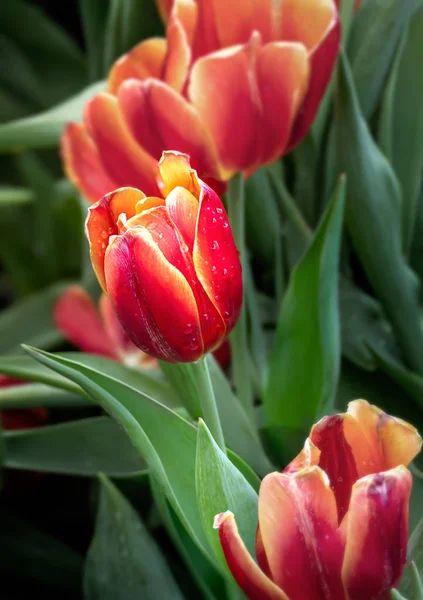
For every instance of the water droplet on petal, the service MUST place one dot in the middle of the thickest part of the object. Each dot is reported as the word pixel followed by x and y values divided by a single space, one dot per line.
pixel 206 317
pixel 219 210
pixel 104 234
pixel 225 272
pixel 161 236
pixel 110 230
pixel 188 329
pixel 103 245
pixel 225 225
pixel 151 226
pixel 214 245
pixel 214 269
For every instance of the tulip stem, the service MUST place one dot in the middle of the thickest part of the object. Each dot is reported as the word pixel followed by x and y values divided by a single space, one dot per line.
pixel 208 401
pixel 241 363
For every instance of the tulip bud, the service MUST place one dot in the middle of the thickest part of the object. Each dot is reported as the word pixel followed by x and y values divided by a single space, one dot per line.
pixel 169 266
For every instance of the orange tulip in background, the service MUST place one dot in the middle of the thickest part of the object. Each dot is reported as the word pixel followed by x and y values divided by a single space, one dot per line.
pixel 334 524
pixel 170 267
pixel 234 85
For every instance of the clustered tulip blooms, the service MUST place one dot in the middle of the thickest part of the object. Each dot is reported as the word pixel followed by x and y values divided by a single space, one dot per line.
pixel 234 87
pixel 169 265
pixel 334 524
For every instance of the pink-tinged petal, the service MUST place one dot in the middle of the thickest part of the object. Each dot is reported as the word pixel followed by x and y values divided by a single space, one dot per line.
pixel 389 440
pixel 308 457
pixel 206 39
pixel 143 61
pixel 118 338
pixel 170 242
pixel 336 458
pixel 159 118
pixel 307 21
pixel 235 24
pixel 182 207
pixel 82 163
pixel 283 73
pixel 298 524
pixel 175 171
pixel 261 554
pixel 164 7
pixel 322 62
pixel 149 202
pixel 254 583
pixel 223 354
pixel 376 530
pixel 216 258
pixel 178 56
pixel 125 161
pixel 76 316
pixel 101 223
pixel 152 299
pixel 186 12
pixel 224 91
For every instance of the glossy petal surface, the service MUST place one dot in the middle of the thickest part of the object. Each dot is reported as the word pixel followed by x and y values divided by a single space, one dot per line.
pixel 125 161
pixel 298 524
pixel 175 171
pixel 250 578
pixel 376 532
pixel 178 56
pixel 160 119
pixel 306 21
pixel 118 339
pixel 235 23
pixel 82 163
pixel 144 61
pixel 76 316
pixel 152 298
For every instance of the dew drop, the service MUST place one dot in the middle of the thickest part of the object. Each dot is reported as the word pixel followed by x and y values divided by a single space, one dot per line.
pixel 219 210
pixel 214 245
pixel 152 225
pixel 206 317
pixel 161 236
pixel 225 225
pixel 214 220
pixel 216 297
pixel 188 329
pixel 226 314
pixel 103 245
pixel 214 269
pixel 203 230
pixel 104 234
pixel 193 344
pixel 224 272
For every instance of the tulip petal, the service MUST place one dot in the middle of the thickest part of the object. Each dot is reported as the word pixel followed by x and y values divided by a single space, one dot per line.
pixel 124 160
pixel 298 524
pixel 322 63
pixel 82 163
pixel 143 61
pixel 118 337
pixel 102 220
pixel 249 577
pixel 170 242
pixel 392 440
pixel 307 21
pixel 249 15
pixel 164 7
pixel 216 258
pixel 178 56
pixel 175 171
pixel 159 118
pixel 152 299
pixel 376 530
pixel 337 456
pixel 308 457
pixel 223 89
pixel 76 316
pixel 283 73
pixel 182 207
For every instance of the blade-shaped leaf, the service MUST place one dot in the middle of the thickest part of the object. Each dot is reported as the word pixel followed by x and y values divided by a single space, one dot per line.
pixel 221 487
pixel 43 130
pixel 371 49
pixel 410 581
pixel 84 448
pixel 402 122
pixel 123 560
pixel 32 395
pixel 373 218
pixel 304 362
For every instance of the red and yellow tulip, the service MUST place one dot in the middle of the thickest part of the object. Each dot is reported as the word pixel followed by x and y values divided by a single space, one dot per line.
pixel 334 524
pixel 169 266
pixel 234 86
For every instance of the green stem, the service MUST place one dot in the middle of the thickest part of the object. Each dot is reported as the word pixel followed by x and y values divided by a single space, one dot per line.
pixel 208 401
pixel 288 204
pixel 241 363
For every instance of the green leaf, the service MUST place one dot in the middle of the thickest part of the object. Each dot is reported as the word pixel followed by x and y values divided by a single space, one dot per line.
pixel 94 14
pixel 32 395
pixel 84 448
pixel 307 334
pixel 123 560
pixel 221 487
pixel 43 130
pixel 13 195
pixel 395 595
pixel 30 321
pixel 238 431
pixel 373 205
pixel 49 50
pixel 411 584
pixel 371 49
pixel 402 122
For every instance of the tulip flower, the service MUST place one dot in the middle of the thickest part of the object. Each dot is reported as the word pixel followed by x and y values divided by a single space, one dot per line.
pixel 169 266
pixel 234 87
pixel 334 524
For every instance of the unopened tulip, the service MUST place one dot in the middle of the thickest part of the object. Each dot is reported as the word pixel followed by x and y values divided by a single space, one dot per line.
pixel 235 87
pixel 169 265
pixel 334 524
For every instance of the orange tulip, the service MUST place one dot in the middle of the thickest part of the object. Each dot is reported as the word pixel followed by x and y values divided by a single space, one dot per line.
pixel 334 524
pixel 235 87
pixel 169 266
